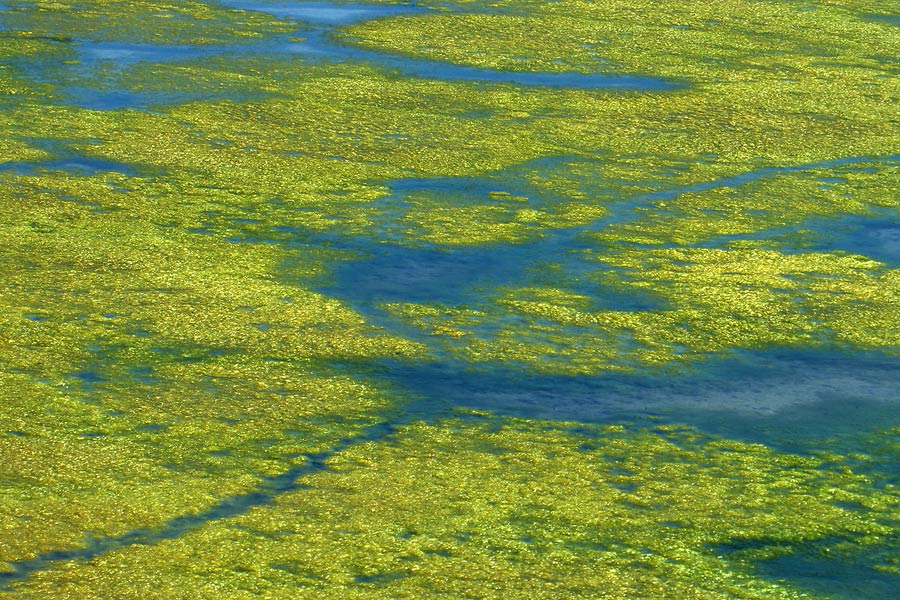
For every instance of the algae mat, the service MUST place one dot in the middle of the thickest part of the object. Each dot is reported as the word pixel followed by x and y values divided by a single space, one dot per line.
pixel 465 299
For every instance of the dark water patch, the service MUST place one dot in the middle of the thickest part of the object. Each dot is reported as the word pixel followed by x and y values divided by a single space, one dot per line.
pixel 875 235
pixel 151 428
pixel 851 506
pixel 73 165
pixel 88 376
pixel 379 578
pixel 473 277
pixel 788 399
pixel 400 274
pixel 833 567
pixel 201 231
pixel 888 19
pixel 88 379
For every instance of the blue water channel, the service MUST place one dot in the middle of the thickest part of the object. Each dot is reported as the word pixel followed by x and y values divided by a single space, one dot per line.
pixel 787 398
pixel 89 81
pixel 391 270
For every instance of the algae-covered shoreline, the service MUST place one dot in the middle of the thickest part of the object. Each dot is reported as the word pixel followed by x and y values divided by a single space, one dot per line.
pixel 461 299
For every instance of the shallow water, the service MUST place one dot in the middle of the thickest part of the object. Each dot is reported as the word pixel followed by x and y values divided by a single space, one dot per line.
pixel 787 399
pixel 75 166
pixel 326 13
pixel 313 41
pixel 876 236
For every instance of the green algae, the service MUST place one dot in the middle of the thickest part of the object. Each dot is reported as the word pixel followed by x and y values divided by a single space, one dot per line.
pixel 139 21
pixel 490 507
pixel 15 86
pixel 152 366
pixel 712 301
pixel 435 220
pixel 770 203
pixel 20 151
pixel 769 103
pixel 160 354
pixel 725 41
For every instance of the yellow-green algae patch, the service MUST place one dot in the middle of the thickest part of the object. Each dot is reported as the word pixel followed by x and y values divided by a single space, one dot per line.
pixel 150 371
pixel 332 148
pixel 770 203
pixel 159 357
pixel 357 128
pixel 765 75
pixel 131 456
pixel 730 40
pixel 503 508
pixel 140 21
pixel 503 217
pixel 15 86
pixel 19 151
pixel 710 301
